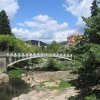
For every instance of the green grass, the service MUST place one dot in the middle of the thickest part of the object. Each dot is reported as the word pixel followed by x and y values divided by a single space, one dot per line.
pixel 42 84
pixel 62 85
pixel 16 72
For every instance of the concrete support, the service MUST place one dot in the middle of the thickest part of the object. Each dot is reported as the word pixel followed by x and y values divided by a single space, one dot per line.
pixel 3 63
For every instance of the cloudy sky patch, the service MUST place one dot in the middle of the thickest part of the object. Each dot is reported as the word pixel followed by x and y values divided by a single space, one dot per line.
pixel 47 21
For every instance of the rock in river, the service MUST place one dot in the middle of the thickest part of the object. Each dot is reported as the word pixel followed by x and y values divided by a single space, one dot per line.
pixel 4 78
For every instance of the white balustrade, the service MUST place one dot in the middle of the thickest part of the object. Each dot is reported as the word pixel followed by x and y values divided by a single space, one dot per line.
pixel 71 56
pixel 60 55
pixel 64 55
pixel 30 54
pixel 53 54
pixel 19 55
pixel 34 54
pixel 7 55
pixel 57 54
pixel 11 55
pixel 23 55
pixel 67 55
pixel 15 55
pixel 26 55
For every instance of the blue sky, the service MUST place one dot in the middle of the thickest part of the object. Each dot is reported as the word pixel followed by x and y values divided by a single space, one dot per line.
pixel 52 8
pixel 46 20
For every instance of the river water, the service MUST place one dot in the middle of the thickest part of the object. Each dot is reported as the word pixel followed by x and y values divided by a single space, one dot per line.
pixel 14 88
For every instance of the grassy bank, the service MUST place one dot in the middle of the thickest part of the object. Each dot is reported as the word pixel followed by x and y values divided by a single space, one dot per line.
pixel 16 72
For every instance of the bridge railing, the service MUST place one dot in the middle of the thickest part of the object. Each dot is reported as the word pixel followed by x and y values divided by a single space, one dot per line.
pixel 25 55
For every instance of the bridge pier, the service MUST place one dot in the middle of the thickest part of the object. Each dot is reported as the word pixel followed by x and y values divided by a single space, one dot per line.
pixel 3 62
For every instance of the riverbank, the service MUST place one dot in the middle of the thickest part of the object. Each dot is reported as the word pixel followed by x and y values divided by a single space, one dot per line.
pixel 49 86
pixel 48 94
pixel 37 77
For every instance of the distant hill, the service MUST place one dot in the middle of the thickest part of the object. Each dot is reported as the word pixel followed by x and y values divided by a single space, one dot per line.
pixel 35 42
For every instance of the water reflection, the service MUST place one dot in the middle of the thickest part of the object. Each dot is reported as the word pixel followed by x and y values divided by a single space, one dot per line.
pixel 12 89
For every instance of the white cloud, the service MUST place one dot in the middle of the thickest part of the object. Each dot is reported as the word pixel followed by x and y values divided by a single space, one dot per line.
pixel 78 8
pixel 25 34
pixel 45 22
pixel 43 27
pixel 10 6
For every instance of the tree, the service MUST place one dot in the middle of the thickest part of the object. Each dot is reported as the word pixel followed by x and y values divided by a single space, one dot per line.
pixel 89 74
pixel 53 47
pixel 92 30
pixel 51 66
pixel 4 24
pixel 94 8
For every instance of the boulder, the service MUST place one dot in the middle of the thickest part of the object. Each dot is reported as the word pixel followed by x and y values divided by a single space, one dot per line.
pixel 4 78
pixel 16 98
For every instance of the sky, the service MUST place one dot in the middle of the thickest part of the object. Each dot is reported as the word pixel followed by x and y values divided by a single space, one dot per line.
pixel 46 20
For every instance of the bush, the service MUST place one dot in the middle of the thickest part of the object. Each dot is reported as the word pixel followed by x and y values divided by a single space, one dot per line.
pixel 10 43
pixel 69 65
pixel 16 72
pixel 91 97
pixel 51 66
pixel 64 84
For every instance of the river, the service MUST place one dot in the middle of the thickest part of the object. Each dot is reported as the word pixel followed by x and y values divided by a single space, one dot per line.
pixel 14 88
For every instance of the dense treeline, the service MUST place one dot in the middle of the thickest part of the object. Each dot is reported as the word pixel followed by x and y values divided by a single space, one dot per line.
pixel 88 53
pixel 11 44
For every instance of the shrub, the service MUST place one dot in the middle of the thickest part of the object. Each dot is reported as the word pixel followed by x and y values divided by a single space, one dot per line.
pixel 91 97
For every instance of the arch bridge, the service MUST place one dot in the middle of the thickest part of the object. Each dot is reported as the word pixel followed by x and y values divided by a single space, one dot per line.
pixel 9 59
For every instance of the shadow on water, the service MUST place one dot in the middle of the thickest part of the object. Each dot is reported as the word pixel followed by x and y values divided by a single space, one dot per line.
pixel 14 88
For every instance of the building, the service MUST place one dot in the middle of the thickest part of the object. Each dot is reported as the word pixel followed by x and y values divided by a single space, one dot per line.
pixel 73 39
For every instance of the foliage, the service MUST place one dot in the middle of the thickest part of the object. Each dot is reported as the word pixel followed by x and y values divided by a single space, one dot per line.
pixel 37 49
pixel 64 84
pixel 94 8
pixel 4 24
pixel 91 97
pixel 87 97
pixel 87 51
pixel 51 65
pixel 53 47
pixel 10 43
pixel 92 30
pixel 89 74
pixel 69 65
pixel 61 85
pixel 16 72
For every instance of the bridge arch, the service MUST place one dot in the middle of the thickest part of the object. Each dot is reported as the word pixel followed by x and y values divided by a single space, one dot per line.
pixel 28 56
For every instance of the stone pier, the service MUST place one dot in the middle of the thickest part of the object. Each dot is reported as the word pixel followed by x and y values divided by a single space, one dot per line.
pixel 3 62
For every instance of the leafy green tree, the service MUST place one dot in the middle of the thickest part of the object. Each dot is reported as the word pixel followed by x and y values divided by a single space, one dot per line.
pixel 51 66
pixel 9 43
pixel 89 51
pixel 4 24
pixel 53 47
pixel 92 30
pixel 94 8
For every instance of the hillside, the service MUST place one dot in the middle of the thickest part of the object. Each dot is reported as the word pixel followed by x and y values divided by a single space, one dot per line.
pixel 35 42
